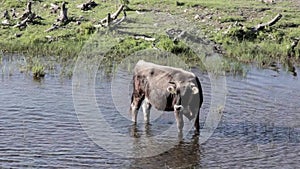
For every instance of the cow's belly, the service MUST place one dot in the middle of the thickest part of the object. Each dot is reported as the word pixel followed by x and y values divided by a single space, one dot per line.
pixel 158 99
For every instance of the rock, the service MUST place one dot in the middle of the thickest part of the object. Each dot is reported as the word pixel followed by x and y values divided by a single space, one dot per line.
pixel 18 35
pixel 197 17
pixel 5 22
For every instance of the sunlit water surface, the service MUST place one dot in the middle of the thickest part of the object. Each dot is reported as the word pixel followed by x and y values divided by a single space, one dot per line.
pixel 260 126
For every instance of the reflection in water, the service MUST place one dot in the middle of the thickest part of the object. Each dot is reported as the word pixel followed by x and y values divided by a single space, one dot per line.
pixel 186 154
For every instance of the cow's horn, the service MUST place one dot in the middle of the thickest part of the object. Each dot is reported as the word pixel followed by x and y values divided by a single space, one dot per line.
pixel 195 90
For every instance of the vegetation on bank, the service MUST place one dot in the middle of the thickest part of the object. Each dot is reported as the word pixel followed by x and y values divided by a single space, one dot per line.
pixel 228 23
pixel 232 24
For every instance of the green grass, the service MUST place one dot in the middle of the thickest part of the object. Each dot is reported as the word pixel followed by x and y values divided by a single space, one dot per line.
pixel 38 71
pixel 222 25
pixel 218 20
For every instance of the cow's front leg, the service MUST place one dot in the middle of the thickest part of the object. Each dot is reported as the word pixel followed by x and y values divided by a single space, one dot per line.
pixel 134 112
pixel 135 106
pixel 146 110
pixel 179 120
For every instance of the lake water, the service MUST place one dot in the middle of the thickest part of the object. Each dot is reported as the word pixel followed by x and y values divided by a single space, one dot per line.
pixel 260 126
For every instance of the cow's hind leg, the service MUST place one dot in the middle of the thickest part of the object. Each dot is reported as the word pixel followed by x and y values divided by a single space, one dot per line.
pixel 179 120
pixel 136 101
pixel 146 110
pixel 197 125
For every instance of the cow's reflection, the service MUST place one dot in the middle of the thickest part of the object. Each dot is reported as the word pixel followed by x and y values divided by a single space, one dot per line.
pixel 185 154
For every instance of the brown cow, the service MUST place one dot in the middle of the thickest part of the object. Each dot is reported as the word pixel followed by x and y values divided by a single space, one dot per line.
pixel 167 89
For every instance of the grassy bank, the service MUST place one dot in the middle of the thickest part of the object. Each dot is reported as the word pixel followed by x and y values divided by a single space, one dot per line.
pixel 228 23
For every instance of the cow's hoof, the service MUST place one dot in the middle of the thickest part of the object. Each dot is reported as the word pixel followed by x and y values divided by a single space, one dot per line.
pixel 180 136
pixel 196 133
pixel 148 124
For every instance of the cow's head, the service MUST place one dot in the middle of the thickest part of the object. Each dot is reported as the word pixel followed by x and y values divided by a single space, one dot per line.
pixel 184 94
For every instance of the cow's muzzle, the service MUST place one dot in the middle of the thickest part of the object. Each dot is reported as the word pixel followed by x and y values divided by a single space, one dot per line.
pixel 178 107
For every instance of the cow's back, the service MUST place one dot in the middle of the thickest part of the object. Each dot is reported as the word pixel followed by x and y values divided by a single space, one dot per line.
pixel 153 71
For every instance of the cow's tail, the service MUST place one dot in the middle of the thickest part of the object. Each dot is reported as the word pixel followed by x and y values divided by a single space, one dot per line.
pixel 200 91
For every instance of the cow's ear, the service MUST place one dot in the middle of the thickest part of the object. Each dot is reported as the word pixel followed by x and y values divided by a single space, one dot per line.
pixel 195 90
pixel 171 89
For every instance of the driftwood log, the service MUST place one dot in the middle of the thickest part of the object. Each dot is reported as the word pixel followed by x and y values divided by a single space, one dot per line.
pixel 262 26
pixel 88 5
pixel 144 37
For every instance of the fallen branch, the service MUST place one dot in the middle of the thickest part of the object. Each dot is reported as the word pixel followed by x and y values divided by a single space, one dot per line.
pixel 144 37
pixel 88 5
pixel 260 27
pixel 121 20
pixel 22 24
pixel 54 26
pixel 117 13
pixel 110 18
pixel 113 16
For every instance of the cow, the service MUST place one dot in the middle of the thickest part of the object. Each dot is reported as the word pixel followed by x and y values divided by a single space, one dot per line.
pixel 167 89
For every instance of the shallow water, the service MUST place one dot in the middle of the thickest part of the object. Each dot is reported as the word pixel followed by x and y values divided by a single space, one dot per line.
pixel 260 125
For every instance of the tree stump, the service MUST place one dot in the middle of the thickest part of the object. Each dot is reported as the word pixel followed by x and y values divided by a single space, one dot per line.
pixel 27 12
pixel 63 17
